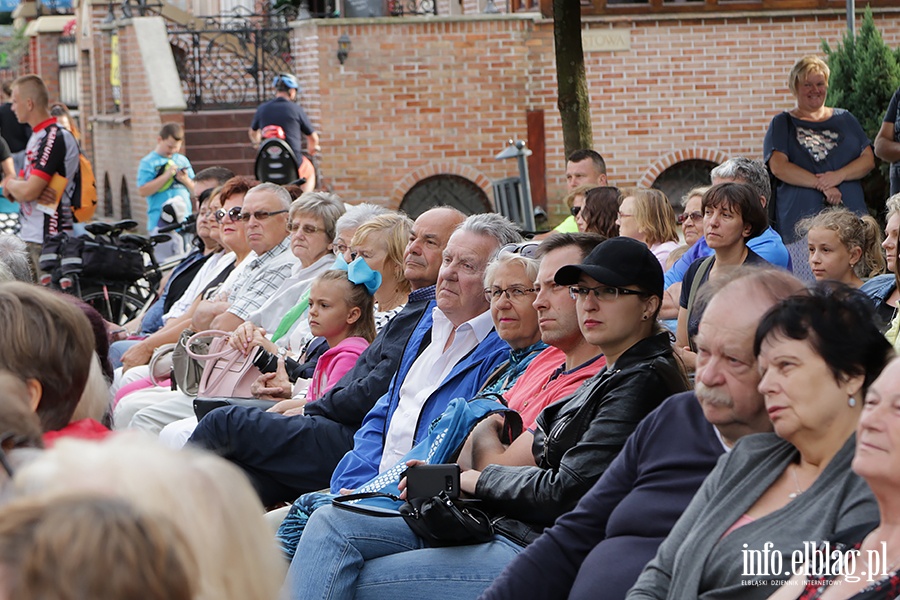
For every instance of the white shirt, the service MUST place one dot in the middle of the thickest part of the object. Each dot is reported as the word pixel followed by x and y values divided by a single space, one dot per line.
pixel 425 375
pixel 211 269
pixel 288 294
pixel 235 277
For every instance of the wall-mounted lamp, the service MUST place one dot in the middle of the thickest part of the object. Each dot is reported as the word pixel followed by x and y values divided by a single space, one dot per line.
pixel 343 48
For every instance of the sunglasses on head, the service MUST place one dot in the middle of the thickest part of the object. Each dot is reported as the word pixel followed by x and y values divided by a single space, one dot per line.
pixel 528 249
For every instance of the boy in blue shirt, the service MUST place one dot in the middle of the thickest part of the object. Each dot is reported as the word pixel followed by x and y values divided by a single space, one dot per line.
pixel 166 179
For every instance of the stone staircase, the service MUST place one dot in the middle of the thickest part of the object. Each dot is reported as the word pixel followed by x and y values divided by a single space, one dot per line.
pixel 219 138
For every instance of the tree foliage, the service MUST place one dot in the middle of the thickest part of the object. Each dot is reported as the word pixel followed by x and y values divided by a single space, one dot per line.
pixel 13 49
pixel 865 72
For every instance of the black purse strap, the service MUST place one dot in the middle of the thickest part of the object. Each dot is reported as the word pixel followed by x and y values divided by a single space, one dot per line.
pixel 343 502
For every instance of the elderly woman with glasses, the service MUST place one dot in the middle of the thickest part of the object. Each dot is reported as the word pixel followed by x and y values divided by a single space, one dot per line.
pixel 545 471
pixel 311 222
pixel 691 218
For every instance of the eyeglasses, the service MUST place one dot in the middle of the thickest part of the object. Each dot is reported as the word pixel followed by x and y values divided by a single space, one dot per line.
pixel 695 217
pixel 513 293
pixel 260 215
pixel 527 250
pixel 575 210
pixel 338 248
pixel 234 214
pixel 306 228
pixel 603 293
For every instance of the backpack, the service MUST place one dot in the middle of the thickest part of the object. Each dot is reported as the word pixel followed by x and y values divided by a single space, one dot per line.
pixel 84 198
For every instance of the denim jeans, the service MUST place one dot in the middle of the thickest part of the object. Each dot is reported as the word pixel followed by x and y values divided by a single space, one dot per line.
pixel 342 554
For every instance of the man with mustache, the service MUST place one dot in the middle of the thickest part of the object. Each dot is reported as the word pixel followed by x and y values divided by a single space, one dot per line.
pixel 617 526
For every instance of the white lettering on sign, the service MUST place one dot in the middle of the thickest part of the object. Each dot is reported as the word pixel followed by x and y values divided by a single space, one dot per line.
pixel 605 40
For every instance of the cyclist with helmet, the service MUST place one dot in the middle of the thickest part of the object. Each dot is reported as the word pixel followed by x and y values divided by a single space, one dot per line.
pixel 283 112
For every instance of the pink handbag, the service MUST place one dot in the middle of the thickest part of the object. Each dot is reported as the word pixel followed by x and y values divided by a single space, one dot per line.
pixel 227 373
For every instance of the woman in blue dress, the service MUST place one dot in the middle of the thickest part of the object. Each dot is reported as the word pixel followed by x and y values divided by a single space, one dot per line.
pixel 818 153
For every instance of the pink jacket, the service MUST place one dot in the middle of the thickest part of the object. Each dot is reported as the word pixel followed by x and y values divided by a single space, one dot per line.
pixel 332 365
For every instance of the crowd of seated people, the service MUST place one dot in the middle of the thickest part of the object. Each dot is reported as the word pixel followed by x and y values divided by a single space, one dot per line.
pixel 668 412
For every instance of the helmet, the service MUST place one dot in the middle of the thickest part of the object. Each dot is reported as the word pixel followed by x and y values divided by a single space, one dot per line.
pixel 286 81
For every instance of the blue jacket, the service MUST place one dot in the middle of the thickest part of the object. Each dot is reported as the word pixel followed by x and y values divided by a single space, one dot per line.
pixel 768 244
pixel 879 288
pixel 361 464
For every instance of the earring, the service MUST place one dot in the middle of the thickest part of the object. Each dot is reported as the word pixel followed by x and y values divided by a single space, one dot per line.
pixel 644 318
pixel 851 401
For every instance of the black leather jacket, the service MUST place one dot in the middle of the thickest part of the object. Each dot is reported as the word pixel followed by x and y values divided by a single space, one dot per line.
pixel 578 437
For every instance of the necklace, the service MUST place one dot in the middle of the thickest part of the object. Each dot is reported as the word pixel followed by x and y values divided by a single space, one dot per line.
pixel 799 491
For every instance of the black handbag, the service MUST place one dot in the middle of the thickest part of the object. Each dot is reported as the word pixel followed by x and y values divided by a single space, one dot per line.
pixel 439 520
pixel 443 521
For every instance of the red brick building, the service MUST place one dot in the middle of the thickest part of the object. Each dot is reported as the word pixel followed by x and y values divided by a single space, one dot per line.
pixel 422 105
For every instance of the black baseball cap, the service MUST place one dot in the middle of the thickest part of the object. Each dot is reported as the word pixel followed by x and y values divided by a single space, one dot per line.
pixel 618 261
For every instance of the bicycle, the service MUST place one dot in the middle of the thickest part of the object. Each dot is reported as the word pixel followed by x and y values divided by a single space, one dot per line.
pixel 113 271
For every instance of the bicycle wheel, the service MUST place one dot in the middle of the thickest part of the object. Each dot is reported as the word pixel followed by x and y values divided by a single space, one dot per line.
pixel 115 305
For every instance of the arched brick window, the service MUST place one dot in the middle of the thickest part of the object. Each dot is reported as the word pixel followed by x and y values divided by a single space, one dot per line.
pixel 445 190
pixel 677 180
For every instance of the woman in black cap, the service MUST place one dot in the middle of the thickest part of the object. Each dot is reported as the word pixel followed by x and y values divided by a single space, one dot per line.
pixel 618 290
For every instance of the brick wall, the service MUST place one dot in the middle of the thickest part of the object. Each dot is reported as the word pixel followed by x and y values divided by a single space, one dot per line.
pixel 423 96
pixel 419 96
pixel 416 97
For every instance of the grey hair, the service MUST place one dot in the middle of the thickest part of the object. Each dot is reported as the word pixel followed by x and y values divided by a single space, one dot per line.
pixel 282 194
pixel 696 191
pixel 892 206
pixel 5 273
pixel 325 205
pixel 359 214
pixel 748 171
pixel 14 255
pixel 530 265
pixel 492 225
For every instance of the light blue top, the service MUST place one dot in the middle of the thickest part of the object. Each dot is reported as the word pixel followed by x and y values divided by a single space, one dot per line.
pixel 147 172
pixel 768 245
